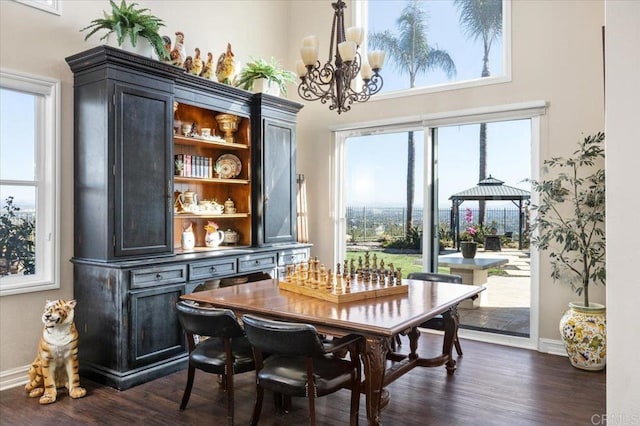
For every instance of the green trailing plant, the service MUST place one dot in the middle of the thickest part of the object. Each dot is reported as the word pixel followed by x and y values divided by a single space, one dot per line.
pixel 272 71
pixel 570 220
pixel 127 21
pixel 17 247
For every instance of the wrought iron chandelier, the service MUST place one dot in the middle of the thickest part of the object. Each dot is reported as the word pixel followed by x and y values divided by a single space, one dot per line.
pixel 334 83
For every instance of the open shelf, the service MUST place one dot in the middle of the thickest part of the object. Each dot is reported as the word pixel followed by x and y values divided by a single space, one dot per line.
pixel 197 141
pixel 212 180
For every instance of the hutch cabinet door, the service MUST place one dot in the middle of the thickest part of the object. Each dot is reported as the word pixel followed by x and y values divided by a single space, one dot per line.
pixel 279 182
pixel 143 171
pixel 156 333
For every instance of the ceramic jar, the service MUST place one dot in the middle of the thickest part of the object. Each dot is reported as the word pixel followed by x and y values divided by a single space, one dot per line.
pixel 583 330
pixel 231 237
pixel 229 206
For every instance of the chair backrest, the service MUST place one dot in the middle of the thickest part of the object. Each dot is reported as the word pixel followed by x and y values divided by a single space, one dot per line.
pixel 283 338
pixel 212 322
pixel 434 276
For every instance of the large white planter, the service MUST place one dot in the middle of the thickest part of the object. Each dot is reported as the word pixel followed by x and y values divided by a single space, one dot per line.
pixel 143 46
pixel 584 333
pixel 262 85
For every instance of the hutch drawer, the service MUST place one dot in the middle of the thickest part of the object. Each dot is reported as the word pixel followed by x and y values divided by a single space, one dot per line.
pixel 158 275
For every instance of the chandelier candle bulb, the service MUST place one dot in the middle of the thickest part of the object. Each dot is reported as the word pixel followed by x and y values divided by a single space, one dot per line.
pixel 376 59
pixel 366 71
pixel 301 68
pixel 309 55
pixel 310 41
pixel 347 50
pixel 354 34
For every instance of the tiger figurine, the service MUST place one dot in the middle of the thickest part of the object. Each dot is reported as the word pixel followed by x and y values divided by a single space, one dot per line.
pixel 56 364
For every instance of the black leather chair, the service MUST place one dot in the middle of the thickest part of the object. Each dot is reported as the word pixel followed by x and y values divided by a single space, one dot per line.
pixel 226 350
pixel 437 322
pixel 301 364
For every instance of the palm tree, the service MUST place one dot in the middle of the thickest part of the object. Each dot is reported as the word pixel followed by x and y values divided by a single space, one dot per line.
pixel 482 19
pixel 409 51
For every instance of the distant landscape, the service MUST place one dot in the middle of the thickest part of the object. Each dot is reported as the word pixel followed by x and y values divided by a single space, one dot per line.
pixel 372 223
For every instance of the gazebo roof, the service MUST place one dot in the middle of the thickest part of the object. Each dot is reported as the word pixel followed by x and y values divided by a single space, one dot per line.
pixel 491 189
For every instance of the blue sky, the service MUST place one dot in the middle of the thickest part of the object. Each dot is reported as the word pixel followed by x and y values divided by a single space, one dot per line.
pixel 376 171
pixel 17 155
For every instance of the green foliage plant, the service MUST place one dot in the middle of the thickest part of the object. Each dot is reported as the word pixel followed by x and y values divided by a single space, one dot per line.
pixel 412 241
pixel 571 216
pixel 127 21
pixel 17 247
pixel 260 68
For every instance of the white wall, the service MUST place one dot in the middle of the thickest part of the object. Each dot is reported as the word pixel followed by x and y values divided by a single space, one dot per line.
pixel 37 42
pixel 623 204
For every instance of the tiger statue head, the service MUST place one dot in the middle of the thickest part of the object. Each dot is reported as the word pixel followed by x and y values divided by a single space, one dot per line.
pixel 58 312
pixel 56 364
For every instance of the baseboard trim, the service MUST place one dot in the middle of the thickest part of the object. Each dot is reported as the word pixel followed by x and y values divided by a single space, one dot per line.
pixel 15 377
pixel 552 346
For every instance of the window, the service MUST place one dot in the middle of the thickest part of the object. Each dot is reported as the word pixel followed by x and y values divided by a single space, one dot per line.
pixel 454 54
pixel 29 155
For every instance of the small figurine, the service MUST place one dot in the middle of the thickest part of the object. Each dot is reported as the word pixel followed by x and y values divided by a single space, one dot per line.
pixel 207 70
pixel 194 130
pixel 178 53
pixel 197 63
pixel 188 64
pixel 167 46
pixel 226 67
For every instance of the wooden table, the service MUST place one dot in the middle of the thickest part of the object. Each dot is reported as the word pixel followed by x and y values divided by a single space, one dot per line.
pixel 378 320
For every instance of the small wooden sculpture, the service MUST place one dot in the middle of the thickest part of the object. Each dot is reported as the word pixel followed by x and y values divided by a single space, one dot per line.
pixel 207 70
pixel 178 53
pixel 188 64
pixel 226 67
pixel 197 63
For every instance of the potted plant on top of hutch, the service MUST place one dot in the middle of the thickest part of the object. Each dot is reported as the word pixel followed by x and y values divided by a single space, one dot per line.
pixel 570 225
pixel 265 77
pixel 132 27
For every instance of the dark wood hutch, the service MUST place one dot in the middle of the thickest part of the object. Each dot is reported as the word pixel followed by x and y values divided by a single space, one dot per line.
pixel 129 267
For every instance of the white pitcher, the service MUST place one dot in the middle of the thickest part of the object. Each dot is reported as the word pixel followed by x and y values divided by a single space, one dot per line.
pixel 213 238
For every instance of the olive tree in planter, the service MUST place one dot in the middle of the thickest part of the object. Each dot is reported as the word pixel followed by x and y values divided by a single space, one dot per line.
pixel 570 225
pixel 130 26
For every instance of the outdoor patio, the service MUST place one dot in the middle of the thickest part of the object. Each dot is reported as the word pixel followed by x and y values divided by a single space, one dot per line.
pixel 504 306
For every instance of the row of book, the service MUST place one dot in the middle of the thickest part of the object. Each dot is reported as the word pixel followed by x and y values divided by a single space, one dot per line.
pixel 188 165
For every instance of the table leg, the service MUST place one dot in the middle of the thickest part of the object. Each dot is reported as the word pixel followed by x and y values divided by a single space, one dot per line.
pixel 451 321
pixel 373 360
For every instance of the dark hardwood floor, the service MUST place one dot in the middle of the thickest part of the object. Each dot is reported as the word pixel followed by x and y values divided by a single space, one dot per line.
pixel 493 385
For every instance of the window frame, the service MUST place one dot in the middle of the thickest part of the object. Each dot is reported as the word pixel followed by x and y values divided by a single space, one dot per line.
pixel 360 18
pixel 533 110
pixel 46 182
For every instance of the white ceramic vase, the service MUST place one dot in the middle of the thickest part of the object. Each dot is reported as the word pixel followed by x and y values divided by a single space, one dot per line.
pixel 188 240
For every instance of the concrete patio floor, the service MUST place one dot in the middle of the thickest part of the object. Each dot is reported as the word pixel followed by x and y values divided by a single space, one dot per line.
pixel 504 306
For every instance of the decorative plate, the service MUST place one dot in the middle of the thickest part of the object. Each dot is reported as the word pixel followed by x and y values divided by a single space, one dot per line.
pixel 228 166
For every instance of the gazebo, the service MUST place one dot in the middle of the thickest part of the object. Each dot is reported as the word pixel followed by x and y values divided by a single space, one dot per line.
pixel 489 189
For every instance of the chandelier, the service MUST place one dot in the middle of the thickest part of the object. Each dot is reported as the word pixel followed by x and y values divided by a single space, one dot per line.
pixel 335 83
